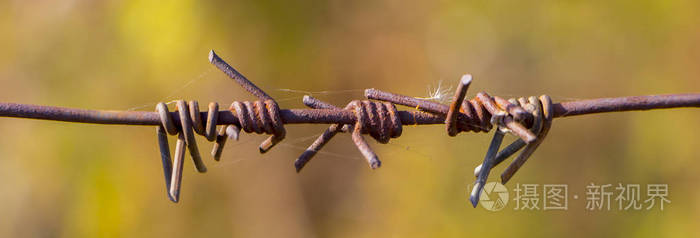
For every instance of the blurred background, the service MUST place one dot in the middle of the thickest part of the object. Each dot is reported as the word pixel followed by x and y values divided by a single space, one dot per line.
pixel 78 180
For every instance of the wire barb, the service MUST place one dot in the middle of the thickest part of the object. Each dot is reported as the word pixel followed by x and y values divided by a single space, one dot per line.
pixel 262 116
pixel 379 120
pixel 540 109
pixel 480 114
pixel 457 102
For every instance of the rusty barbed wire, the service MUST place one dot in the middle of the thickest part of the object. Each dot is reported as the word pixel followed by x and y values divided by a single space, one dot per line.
pixel 527 118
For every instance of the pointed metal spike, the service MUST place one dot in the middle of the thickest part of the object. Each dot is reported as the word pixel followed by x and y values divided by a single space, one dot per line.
pixel 474 196
pixel 176 181
pixel 238 77
pixel 312 102
pixel 270 142
pixel 457 100
pixel 165 158
pixel 364 148
pixel 504 154
pixel 318 144
pixel 486 166
pixel 324 138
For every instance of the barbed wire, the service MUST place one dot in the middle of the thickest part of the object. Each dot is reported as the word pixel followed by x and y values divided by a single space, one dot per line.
pixel 527 118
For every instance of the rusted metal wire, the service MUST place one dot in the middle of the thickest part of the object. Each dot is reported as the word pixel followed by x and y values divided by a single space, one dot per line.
pixel 527 118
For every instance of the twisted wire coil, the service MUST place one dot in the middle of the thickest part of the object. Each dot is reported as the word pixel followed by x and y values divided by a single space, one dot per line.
pixel 378 119
pixel 542 113
pixel 258 117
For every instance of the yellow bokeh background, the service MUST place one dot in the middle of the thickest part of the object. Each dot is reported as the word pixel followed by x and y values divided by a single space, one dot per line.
pixel 77 180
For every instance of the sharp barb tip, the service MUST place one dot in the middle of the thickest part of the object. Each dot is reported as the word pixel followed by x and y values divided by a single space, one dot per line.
pixel 474 196
pixel 466 79
pixel 375 164
pixel 212 55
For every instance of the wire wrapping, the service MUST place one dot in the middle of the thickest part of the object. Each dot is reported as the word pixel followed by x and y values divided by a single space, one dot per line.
pixel 541 111
pixel 378 119
pixel 258 117
pixel 472 115
pixel 477 119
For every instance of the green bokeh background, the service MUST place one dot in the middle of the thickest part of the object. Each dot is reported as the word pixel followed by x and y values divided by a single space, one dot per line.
pixel 78 180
